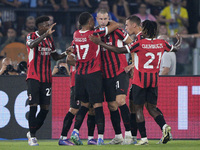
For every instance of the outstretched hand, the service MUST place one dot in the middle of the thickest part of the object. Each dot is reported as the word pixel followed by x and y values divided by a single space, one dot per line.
pixel 70 50
pixel 179 41
pixel 50 31
pixel 94 39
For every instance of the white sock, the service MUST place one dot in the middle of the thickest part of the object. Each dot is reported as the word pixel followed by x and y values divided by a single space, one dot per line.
pixel 145 138
pixel 118 136
pixel 100 136
pixel 128 133
pixel 90 137
pixel 164 126
pixel 63 137
pixel 76 130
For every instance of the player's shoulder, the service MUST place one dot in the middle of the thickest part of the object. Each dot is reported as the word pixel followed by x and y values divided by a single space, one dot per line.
pixel 120 30
pixel 31 35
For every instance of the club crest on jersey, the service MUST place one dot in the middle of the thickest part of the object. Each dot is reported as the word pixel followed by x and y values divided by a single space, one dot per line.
pixel 28 37
pixel 29 97
pixel 101 29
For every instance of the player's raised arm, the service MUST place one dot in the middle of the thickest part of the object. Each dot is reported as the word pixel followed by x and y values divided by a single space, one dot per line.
pixel 178 43
pixel 112 26
pixel 97 40
pixel 34 43
pixel 57 56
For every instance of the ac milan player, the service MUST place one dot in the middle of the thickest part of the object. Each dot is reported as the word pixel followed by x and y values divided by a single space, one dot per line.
pixel 148 53
pixel 74 107
pixel 115 80
pixel 133 26
pixel 40 47
pixel 88 85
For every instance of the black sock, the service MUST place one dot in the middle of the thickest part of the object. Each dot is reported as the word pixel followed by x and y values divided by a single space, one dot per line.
pixel 142 129
pixel 115 119
pixel 80 117
pixel 32 120
pixel 159 110
pixel 160 121
pixel 91 125
pixel 133 125
pixel 125 116
pixel 67 123
pixel 41 117
pixel 100 119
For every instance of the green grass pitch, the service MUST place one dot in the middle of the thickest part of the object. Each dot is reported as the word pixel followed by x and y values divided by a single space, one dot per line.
pixel 53 145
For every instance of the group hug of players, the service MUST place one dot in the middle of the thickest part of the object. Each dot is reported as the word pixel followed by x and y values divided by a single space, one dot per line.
pixel 99 69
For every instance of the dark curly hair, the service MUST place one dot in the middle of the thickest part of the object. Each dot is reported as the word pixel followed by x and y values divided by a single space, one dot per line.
pixel 41 19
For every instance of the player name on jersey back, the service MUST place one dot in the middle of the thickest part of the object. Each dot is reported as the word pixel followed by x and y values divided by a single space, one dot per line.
pixel 80 39
pixel 152 46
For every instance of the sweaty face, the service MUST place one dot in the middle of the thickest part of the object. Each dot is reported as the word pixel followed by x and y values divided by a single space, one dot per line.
pixel 129 27
pixel 102 19
pixel 43 27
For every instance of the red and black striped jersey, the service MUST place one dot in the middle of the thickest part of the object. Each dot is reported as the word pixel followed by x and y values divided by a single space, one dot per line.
pixel 112 63
pixel 39 60
pixel 72 76
pixel 148 54
pixel 88 59
pixel 139 36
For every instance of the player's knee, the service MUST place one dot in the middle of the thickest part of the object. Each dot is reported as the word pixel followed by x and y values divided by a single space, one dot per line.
pixel 132 107
pixel 45 107
pixel 85 104
pixel 151 109
pixel 91 112
pixel 112 106
pixel 33 105
pixel 73 111
pixel 97 105
pixel 121 100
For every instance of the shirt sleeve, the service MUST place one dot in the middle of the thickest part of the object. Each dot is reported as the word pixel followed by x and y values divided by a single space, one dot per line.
pixel 166 60
pixel 132 47
pixel 101 31
pixel 184 13
pixel 167 46
pixel 122 34
pixel 53 49
pixel 164 12
pixel 29 39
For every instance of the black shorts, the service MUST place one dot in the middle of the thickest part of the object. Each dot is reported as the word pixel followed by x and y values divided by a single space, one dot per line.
pixel 89 88
pixel 73 102
pixel 142 95
pixel 115 86
pixel 38 92
pixel 131 93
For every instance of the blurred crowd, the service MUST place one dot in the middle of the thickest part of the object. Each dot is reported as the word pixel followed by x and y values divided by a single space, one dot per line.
pixel 17 19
